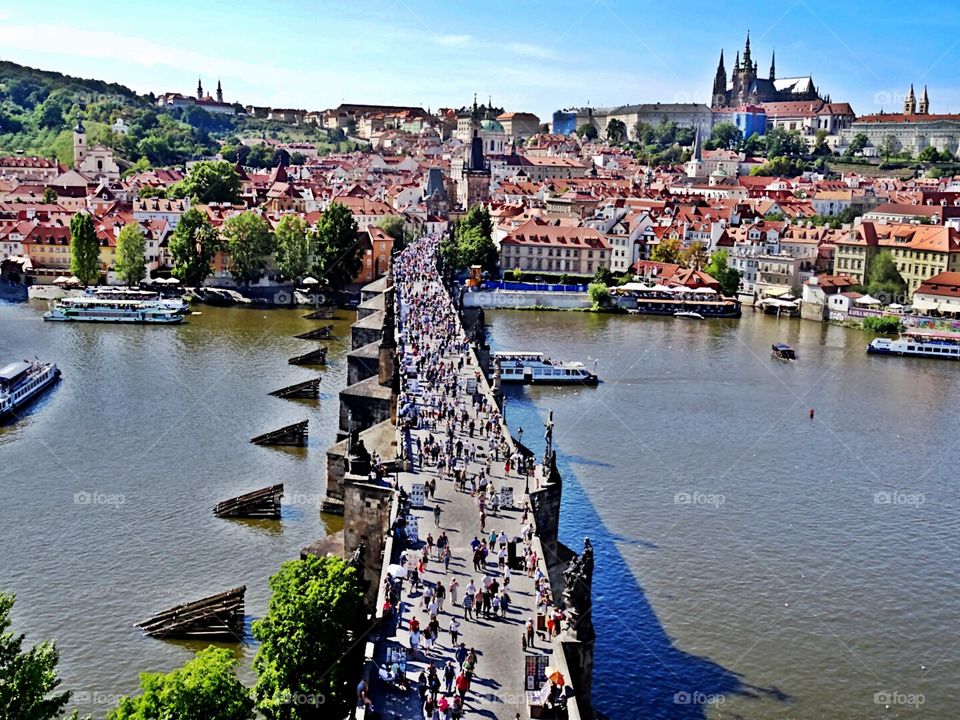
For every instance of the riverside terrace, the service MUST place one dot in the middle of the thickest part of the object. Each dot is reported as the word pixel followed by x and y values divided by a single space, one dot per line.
pixel 440 392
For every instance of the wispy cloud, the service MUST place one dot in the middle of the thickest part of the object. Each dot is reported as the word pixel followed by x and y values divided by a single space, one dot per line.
pixel 453 40
pixel 533 51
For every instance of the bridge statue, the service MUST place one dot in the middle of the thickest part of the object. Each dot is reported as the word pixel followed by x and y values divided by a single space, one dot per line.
pixel 577 591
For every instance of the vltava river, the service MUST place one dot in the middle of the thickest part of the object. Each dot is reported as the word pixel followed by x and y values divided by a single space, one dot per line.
pixel 108 482
pixel 751 562
pixel 751 559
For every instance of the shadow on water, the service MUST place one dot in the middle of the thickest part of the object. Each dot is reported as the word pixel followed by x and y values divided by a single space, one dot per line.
pixel 637 667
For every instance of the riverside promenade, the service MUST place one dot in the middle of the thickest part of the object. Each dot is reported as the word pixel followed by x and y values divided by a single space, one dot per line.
pixel 451 435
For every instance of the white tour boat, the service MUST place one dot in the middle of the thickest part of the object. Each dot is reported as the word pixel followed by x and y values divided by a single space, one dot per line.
pixel 109 307
pixel 23 381
pixel 537 369
pixel 919 343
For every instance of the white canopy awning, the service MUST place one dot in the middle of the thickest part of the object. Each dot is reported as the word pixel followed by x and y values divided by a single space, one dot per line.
pixel 867 300
pixel 924 305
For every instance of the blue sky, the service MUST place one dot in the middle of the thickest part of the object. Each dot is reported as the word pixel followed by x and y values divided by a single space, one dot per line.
pixel 526 54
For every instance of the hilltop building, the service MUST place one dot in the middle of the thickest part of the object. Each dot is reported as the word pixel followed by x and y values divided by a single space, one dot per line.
pixel 746 87
pixel 912 130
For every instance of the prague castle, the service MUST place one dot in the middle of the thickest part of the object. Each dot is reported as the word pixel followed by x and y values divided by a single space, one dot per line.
pixel 745 87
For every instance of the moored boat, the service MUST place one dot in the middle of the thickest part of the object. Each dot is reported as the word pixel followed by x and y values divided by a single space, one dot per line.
pixel 95 308
pixel 919 343
pixel 535 368
pixel 22 382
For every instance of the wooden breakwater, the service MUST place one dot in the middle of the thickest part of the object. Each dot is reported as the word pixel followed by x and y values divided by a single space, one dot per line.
pixel 314 357
pixel 216 617
pixel 295 434
pixel 262 503
pixel 305 389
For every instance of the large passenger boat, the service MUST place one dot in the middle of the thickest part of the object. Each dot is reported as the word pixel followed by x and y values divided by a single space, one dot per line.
pixel 23 381
pixel 109 306
pixel 683 302
pixel 535 368
pixel 919 343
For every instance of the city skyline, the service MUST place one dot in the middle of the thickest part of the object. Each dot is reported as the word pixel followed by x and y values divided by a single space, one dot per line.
pixel 527 58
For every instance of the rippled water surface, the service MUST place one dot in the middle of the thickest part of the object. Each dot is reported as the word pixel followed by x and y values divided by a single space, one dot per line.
pixel 107 483
pixel 753 562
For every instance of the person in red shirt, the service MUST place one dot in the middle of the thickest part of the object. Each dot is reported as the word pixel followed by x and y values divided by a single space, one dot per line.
pixel 463 685
pixel 414 624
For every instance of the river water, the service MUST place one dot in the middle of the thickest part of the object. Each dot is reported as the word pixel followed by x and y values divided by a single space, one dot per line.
pixel 751 562
pixel 107 484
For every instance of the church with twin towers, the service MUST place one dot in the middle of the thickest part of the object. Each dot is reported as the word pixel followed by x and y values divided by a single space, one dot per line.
pixel 744 86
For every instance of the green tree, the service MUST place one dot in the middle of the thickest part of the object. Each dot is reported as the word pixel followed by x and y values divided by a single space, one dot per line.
pixel 84 249
pixel 603 276
pixel 668 251
pixel 205 688
pixel 786 143
pixel 929 154
pixel 884 280
pixel 755 145
pixel 820 147
pixel 616 131
pixel 336 247
pixel 248 243
pixel 193 246
pixel 310 628
pixel 209 181
pixel 392 225
pixel 694 256
pixel 857 145
pixel 151 191
pixel 587 131
pixel 131 264
pixel 293 244
pixel 28 677
pixel 719 270
pixel 726 135
pixel 889 146
pixel 50 196
pixel 599 295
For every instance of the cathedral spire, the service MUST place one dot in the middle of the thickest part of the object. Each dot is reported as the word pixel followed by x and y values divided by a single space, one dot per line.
pixel 924 102
pixel 219 91
pixel 199 90
pixel 773 66
pixel 910 104
pixel 720 84
pixel 746 52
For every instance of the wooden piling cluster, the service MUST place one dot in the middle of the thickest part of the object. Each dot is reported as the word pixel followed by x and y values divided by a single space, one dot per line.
pixel 295 434
pixel 307 389
pixel 262 503
pixel 320 333
pixel 216 617
pixel 314 357
pixel 324 313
